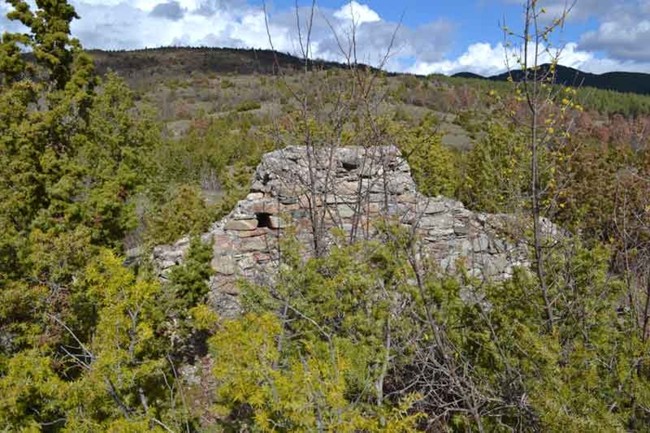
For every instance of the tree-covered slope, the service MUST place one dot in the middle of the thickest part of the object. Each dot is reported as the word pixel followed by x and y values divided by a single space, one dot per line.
pixel 624 82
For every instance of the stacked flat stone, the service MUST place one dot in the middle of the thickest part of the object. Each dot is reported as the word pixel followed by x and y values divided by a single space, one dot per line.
pixel 349 189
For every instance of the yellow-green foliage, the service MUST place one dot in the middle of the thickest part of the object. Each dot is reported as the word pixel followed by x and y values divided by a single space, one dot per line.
pixel 496 171
pixel 303 390
pixel 101 382
pixel 322 364
pixel 433 165
pixel 200 176
pixel 29 391
pixel 185 213
pixel 575 376
pixel 339 308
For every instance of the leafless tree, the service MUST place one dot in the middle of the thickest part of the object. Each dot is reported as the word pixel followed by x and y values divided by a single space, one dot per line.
pixel 333 108
pixel 538 62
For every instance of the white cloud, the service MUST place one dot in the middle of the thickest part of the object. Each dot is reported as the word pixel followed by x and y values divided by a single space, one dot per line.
pixel 112 24
pixel 623 28
pixel 481 58
pixel 486 59
pixel 623 34
pixel 117 24
pixel 357 13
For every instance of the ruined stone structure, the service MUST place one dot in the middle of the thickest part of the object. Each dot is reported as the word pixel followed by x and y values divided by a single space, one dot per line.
pixel 351 188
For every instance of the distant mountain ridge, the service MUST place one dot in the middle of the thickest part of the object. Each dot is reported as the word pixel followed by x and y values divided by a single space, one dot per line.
pixel 173 62
pixel 178 61
pixel 625 82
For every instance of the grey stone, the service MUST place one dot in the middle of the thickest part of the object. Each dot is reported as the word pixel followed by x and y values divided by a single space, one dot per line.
pixel 276 222
pixel 371 171
pixel 481 244
pixel 334 199
pixel 347 188
pixel 288 199
pixel 254 244
pixel 224 265
pixel 300 213
pixel 461 229
pixel 345 211
pixel 440 222
pixel 246 262
pixel 253 196
pixel 496 265
pixel 222 244
pixel 258 187
pixel 252 233
pixel 376 178
pixel 242 214
pixel 351 157
pixel 432 207
pixel 498 245
pixel 376 198
pixel 166 264
pixel 241 224
pixel 226 303
pixel 190 374
pixel 252 208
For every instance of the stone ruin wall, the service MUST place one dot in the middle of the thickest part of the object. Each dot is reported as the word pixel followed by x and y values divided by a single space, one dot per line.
pixel 349 188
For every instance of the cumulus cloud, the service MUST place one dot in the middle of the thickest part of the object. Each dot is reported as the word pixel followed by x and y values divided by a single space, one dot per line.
pixel 132 24
pixel 487 59
pixel 623 28
pixel 623 33
pixel 376 40
pixel 480 58
pixel 171 10
pixel 357 13
pixel 5 23
pixel 118 24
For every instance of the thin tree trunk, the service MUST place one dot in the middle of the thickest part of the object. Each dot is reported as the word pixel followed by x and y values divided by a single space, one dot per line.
pixel 532 96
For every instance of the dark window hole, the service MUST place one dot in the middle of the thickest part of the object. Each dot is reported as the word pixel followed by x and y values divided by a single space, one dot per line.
pixel 263 219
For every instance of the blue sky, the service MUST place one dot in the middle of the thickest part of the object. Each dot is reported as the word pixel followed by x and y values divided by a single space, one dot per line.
pixel 434 36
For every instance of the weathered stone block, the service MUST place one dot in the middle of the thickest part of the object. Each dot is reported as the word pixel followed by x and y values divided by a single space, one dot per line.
pixel 346 188
pixel 254 244
pixel 253 196
pixel 430 207
pixel 221 244
pixel 461 229
pixel 442 222
pixel 224 265
pixel 276 222
pixel 252 233
pixel 287 200
pixel 269 206
pixel 481 243
pixel 345 211
pixel 241 224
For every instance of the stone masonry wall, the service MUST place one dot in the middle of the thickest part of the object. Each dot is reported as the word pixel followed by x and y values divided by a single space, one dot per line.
pixel 351 189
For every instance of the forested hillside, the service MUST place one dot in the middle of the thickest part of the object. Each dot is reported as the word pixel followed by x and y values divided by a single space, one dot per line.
pixel 625 82
pixel 354 333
